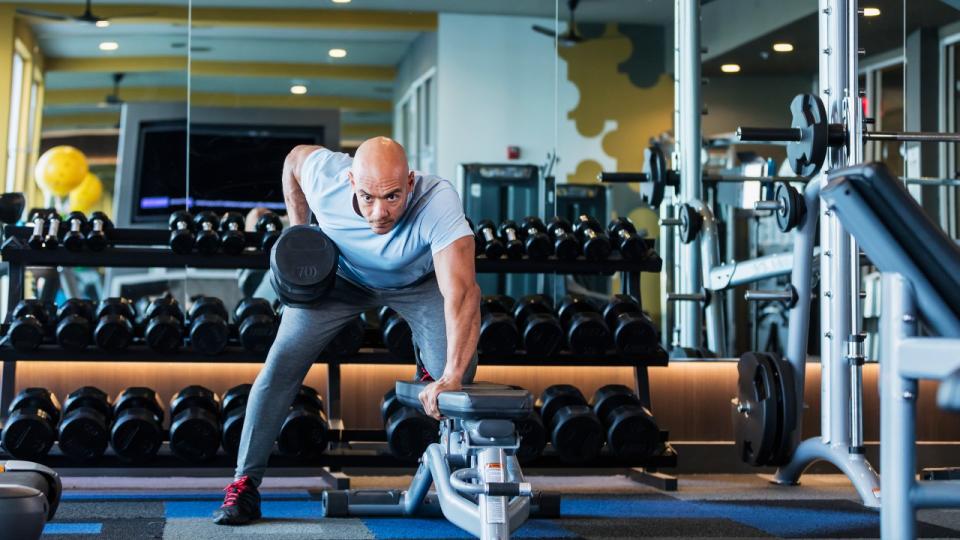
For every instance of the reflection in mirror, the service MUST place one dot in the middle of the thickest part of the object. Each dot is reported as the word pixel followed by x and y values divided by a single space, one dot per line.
pixel 615 95
pixel 467 90
pixel 76 67
pixel 927 103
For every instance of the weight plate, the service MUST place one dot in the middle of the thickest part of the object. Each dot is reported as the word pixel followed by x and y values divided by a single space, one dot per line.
pixel 792 206
pixel 786 396
pixel 810 117
pixel 690 223
pixel 655 167
pixel 755 411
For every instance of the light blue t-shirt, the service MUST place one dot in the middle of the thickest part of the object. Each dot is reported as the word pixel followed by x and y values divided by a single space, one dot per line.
pixel 432 220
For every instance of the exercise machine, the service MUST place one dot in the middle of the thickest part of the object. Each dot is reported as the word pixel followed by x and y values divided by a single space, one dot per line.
pixel 29 497
pixel 479 485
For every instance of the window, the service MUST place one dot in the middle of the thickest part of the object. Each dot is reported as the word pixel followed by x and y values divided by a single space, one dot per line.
pixel 13 128
pixel 413 126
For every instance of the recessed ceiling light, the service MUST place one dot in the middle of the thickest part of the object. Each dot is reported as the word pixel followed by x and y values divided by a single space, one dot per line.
pixel 337 53
pixel 102 23
pixel 730 68
pixel 783 47
pixel 871 12
pixel 298 89
pixel 341 1
pixel 109 46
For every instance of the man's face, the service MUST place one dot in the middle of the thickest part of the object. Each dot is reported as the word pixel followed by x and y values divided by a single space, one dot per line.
pixel 381 200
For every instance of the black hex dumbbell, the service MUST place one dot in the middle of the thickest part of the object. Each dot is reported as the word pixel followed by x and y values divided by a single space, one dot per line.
pixel 269 226
pixel 52 239
pixel 162 324
pixel 498 331
pixel 509 233
pixel 632 431
pixel 303 433
pixel 409 431
pixel 100 227
pixel 207 319
pixel 73 239
pixel 114 329
pixel 29 322
pixel 195 424
pixel 624 236
pixel 347 341
pixel 31 425
pixel 181 232
pixel 575 431
pixel 396 334
pixel 137 432
pixel 75 324
pixel 595 243
pixel 85 428
pixel 586 331
pixel 234 407
pixel 533 437
pixel 256 324
pixel 232 239
pixel 633 331
pixel 206 224
pixel 565 244
pixel 37 218
pixel 541 333
pixel 493 248
pixel 536 242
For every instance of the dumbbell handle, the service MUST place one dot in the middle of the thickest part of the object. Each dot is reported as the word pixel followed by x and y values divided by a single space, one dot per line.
pixel 624 234
pixel 488 235
pixel 75 225
pixel 773 206
pixel 54 228
pixel 233 226
pixel 206 226
pixel 511 234
pixel 97 225
pixel 755 134
pixel 38 226
pixel 532 231
pixel 182 225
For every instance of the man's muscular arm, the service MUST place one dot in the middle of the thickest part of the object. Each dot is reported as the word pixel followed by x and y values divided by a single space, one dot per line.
pixel 297 209
pixel 457 279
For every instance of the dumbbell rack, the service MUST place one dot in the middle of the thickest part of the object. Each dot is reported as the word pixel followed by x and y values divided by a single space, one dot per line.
pixel 147 248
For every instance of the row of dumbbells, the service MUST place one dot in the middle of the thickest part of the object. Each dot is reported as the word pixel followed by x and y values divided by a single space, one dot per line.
pixel 578 325
pixel 576 429
pixel 208 233
pixel 132 424
pixel 114 323
pixel 538 240
pixel 49 231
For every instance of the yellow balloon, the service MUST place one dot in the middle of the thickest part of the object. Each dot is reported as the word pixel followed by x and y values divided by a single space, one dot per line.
pixel 87 194
pixel 61 169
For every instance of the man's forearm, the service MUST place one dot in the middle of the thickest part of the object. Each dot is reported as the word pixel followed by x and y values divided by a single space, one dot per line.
pixel 296 201
pixel 463 331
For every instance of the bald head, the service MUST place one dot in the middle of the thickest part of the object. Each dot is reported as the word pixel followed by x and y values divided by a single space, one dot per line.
pixel 381 181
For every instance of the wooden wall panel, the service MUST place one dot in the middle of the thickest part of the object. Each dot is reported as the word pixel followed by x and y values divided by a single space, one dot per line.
pixel 692 400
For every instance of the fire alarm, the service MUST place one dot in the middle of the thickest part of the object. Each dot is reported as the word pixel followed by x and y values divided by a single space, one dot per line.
pixel 513 152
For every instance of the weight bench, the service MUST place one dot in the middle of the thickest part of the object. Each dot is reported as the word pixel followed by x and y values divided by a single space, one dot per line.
pixel 479 485
pixel 920 268
pixel 29 496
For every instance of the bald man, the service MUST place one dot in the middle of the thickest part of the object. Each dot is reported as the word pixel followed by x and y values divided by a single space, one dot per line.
pixel 404 243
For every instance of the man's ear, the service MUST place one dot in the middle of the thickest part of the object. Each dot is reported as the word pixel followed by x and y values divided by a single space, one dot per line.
pixel 410 178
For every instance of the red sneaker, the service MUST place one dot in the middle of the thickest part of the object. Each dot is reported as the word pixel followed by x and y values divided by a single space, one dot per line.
pixel 241 505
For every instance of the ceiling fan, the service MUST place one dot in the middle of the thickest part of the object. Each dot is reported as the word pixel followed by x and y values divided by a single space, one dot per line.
pixel 86 17
pixel 571 36
pixel 113 98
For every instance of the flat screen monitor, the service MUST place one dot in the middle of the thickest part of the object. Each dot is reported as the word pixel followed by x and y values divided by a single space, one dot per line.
pixel 235 158
pixel 232 168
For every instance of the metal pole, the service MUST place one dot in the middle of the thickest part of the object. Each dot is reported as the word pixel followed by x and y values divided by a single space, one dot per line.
pixel 689 145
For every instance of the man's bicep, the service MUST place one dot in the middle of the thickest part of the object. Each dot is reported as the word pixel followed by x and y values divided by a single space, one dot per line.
pixel 454 265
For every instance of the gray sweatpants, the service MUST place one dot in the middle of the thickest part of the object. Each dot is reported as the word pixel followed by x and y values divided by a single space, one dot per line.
pixel 304 333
